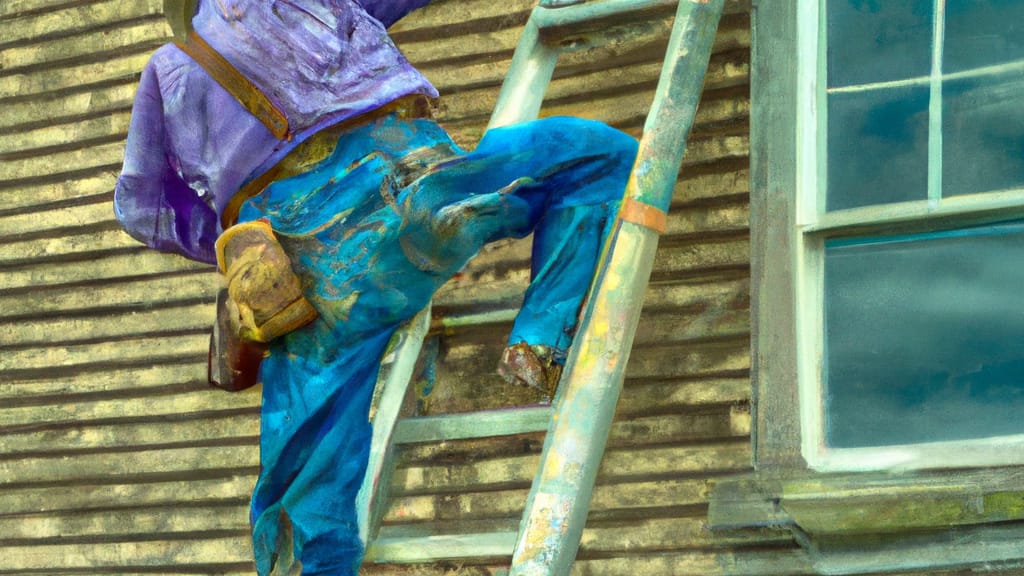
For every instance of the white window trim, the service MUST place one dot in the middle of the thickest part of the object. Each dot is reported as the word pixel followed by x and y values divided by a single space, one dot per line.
pixel 807 242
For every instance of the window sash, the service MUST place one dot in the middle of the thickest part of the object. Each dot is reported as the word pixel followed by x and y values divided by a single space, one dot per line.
pixel 814 226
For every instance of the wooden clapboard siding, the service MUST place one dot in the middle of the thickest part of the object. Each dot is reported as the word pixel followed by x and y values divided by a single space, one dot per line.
pixel 115 457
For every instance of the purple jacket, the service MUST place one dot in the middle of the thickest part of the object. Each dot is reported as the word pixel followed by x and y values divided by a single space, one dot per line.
pixel 191 145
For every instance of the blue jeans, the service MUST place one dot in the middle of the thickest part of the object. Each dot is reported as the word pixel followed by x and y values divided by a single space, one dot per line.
pixel 371 251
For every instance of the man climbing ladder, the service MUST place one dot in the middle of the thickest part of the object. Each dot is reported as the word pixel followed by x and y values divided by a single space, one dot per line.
pixel 352 209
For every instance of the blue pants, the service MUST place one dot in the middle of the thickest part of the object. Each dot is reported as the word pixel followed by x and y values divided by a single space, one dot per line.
pixel 371 251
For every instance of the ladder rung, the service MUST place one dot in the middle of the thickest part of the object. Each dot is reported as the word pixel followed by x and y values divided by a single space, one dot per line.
pixel 483 424
pixel 441 547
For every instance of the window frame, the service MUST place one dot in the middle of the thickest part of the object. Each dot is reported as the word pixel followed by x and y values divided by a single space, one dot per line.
pixel 846 522
pixel 789 229
pixel 929 518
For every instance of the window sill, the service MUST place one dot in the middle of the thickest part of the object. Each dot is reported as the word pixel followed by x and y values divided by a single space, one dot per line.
pixel 855 523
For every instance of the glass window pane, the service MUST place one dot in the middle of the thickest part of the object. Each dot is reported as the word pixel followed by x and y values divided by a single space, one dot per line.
pixel 877 147
pixel 983 134
pixel 982 33
pixel 878 40
pixel 925 337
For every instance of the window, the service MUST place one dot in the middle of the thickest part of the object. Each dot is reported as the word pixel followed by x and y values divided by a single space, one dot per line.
pixel 909 233
pixel 887 249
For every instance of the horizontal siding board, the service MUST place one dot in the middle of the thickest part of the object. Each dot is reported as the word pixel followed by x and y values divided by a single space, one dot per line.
pixel 54 166
pixel 116 493
pixel 112 382
pixel 88 437
pixel 478 46
pixel 108 525
pixel 673 313
pixel 659 534
pixel 466 111
pixel 130 323
pixel 67 108
pixel 99 268
pixel 646 397
pixel 694 360
pixel 505 503
pixel 127 65
pixel 689 220
pixel 615 466
pixel 12 253
pixel 12 8
pixel 687 325
pixel 147 32
pixel 782 562
pixel 709 149
pixel 201 551
pixel 702 253
pixel 185 406
pixel 77 357
pixel 109 126
pixel 55 220
pixel 441 547
pixel 693 187
pixel 439 16
pixel 669 428
pixel 168 291
pixel 78 17
pixel 25 196
pixel 91 467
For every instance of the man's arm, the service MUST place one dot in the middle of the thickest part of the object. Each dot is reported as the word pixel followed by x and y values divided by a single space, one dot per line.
pixel 151 201
pixel 390 11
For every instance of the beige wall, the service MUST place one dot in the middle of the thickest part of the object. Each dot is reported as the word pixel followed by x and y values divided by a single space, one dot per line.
pixel 113 452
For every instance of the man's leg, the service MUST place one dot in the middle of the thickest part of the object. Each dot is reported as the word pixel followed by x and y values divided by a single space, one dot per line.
pixel 561 178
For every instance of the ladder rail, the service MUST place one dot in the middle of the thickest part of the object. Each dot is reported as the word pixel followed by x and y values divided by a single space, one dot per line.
pixel 392 385
pixel 559 499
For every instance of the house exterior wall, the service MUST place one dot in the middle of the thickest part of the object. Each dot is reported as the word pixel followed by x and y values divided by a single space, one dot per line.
pixel 116 457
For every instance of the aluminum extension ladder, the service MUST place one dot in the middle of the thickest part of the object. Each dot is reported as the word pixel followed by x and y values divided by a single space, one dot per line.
pixel 578 423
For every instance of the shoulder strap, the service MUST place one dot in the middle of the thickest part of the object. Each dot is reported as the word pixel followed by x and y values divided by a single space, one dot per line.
pixel 247 94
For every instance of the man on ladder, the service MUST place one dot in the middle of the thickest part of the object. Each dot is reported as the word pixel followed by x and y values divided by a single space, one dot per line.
pixel 286 141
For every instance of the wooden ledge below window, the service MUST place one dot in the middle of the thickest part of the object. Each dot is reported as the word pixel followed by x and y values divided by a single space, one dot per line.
pixel 868 522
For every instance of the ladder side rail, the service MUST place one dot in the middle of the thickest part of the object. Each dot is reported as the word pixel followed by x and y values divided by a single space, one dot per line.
pixel 559 500
pixel 527 79
pixel 392 386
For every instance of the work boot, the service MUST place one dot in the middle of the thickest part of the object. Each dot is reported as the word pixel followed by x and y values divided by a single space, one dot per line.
pixel 538 367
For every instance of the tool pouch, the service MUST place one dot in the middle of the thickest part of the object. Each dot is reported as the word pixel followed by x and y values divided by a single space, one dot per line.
pixel 263 300
pixel 233 363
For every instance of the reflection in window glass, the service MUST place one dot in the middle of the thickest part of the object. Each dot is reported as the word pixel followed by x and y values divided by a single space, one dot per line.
pixel 982 33
pixel 878 40
pixel 924 337
pixel 982 134
pixel 877 147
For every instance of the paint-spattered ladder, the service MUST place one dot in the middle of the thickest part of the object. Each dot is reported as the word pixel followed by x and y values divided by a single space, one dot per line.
pixel 578 424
